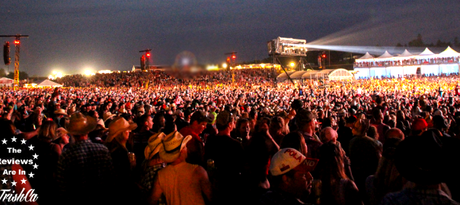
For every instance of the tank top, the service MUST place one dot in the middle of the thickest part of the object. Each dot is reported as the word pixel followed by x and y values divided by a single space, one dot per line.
pixel 179 185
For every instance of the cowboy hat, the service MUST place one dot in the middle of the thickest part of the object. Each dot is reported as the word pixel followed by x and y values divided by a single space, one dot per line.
pixel 154 145
pixel 80 124
pixel 60 132
pixel 60 112
pixel 119 125
pixel 173 143
pixel 108 115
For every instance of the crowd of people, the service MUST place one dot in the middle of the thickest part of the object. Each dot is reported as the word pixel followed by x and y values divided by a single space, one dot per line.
pixel 237 137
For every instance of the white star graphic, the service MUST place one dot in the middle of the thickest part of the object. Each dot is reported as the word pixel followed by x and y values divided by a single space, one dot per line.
pixel 23 141
pixel 13 139
pixel 35 156
pixel 31 175
pixel 31 147
pixel 4 141
pixel 13 183
pixel 4 181
pixel 23 181
pixel 35 166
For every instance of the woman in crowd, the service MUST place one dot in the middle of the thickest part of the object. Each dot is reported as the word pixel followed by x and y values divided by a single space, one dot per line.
pixel 61 138
pixel 336 187
pixel 124 161
pixel 242 131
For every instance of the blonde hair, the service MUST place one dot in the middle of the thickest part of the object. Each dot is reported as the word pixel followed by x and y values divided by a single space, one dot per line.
pixel 47 130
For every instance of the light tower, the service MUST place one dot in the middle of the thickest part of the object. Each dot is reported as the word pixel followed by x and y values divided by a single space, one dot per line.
pixel 17 45
pixel 146 57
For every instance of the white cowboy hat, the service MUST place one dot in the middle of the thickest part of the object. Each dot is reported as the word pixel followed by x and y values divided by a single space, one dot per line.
pixel 154 145
pixel 173 143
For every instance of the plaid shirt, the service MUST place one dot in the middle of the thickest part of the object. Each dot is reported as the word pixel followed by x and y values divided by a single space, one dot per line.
pixel 149 175
pixel 84 165
pixel 418 196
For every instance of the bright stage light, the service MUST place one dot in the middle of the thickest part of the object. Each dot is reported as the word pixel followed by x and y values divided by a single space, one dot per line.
pixel 89 73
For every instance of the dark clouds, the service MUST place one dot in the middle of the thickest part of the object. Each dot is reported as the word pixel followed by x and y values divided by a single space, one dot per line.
pixel 74 35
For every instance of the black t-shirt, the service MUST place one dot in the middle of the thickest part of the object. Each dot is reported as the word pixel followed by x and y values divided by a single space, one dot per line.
pixel 227 154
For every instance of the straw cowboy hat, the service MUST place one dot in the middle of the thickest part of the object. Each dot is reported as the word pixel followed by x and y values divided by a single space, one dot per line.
pixel 154 145
pixel 60 132
pixel 80 124
pixel 173 143
pixel 119 125
pixel 108 115
pixel 60 112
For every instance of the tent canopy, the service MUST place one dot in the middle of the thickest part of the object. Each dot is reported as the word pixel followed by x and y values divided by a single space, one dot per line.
pixel 426 52
pixel 385 55
pixel 283 75
pixel 4 81
pixel 449 52
pixel 48 83
pixel 331 74
pixel 366 56
pixel 406 53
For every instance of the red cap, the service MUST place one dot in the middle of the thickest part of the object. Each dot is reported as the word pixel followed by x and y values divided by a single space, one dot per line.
pixel 419 124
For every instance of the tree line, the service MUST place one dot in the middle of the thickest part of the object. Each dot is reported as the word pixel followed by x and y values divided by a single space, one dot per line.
pixel 418 42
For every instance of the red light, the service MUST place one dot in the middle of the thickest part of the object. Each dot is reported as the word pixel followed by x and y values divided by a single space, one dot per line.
pixel 148 54
pixel 233 56
pixel 16 42
pixel 324 56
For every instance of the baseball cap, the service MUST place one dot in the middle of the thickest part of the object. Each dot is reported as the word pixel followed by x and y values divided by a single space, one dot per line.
pixel 419 124
pixel 288 159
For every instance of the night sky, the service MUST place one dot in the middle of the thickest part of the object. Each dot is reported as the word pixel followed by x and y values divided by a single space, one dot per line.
pixel 71 36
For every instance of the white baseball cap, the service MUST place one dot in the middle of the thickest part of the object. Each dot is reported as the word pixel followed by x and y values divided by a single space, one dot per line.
pixel 287 159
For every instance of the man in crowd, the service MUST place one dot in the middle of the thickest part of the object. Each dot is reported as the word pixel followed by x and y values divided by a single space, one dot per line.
pixel 227 154
pixel 84 169
pixel 198 123
pixel 306 122
pixel 291 181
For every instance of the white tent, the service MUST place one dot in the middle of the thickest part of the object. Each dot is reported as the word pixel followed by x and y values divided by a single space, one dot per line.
pixel 426 52
pixel 340 74
pixel 449 52
pixel 366 56
pixel 283 75
pixel 384 56
pixel 6 82
pixel 48 83
pixel 406 53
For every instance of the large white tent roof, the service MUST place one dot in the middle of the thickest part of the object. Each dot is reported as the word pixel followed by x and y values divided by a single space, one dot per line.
pixel 366 56
pixel 283 75
pixel 406 53
pixel 48 83
pixel 426 52
pixel 385 55
pixel 449 52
